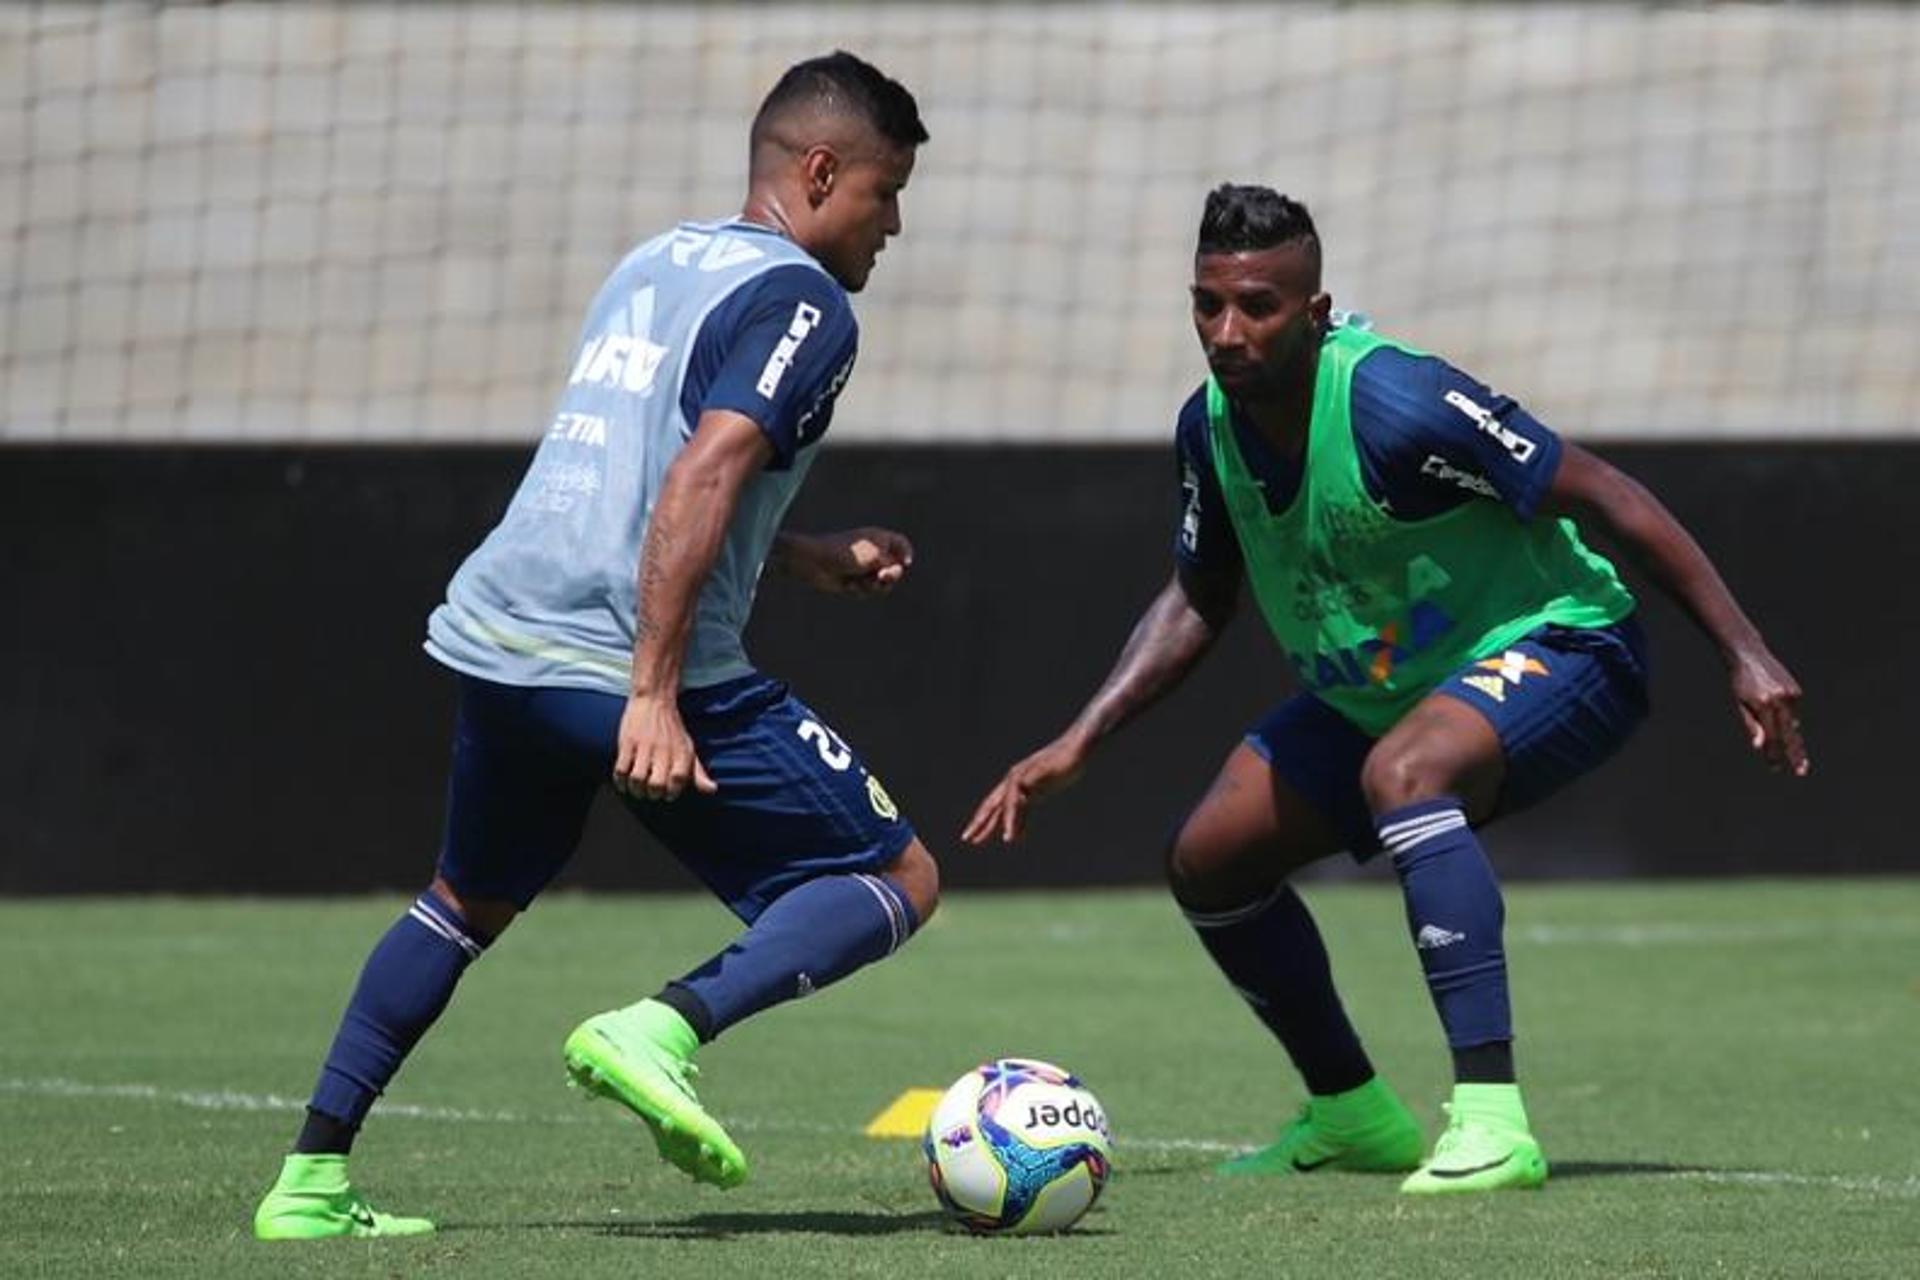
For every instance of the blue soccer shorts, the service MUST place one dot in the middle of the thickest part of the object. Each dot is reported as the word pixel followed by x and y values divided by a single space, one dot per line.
pixel 794 801
pixel 1562 700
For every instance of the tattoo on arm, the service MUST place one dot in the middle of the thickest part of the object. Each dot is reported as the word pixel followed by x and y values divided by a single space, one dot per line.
pixel 1167 642
pixel 684 536
pixel 653 557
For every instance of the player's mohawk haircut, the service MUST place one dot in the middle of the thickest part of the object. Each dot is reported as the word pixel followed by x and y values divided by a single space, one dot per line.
pixel 1242 218
pixel 840 81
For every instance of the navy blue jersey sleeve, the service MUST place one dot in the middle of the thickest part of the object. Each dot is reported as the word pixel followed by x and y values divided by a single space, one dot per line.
pixel 778 349
pixel 1431 438
pixel 1206 542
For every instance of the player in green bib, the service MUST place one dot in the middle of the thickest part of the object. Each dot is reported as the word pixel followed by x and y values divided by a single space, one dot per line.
pixel 1411 539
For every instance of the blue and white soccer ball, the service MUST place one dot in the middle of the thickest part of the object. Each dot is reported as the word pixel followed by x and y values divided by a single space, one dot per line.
pixel 1018 1146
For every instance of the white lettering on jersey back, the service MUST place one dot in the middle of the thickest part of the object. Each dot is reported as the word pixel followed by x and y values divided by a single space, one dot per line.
pixel 579 428
pixel 1440 469
pixel 555 487
pixel 805 317
pixel 826 396
pixel 1518 445
pixel 1190 513
pixel 721 251
pixel 622 356
pixel 682 244
pixel 729 251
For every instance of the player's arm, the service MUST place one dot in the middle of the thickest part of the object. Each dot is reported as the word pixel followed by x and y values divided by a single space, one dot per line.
pixel 656 760
pixel 1767 694
pixel 781 349
pixel 1167 642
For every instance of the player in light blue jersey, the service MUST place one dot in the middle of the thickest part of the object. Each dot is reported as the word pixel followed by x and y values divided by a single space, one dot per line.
pixel 595 635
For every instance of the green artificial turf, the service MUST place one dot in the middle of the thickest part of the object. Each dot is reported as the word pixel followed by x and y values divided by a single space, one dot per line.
pixel 1723 1075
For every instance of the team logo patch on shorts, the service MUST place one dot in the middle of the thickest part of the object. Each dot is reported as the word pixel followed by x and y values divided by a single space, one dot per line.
pixel 1489 685
pixel 1511 667
pixel 882 802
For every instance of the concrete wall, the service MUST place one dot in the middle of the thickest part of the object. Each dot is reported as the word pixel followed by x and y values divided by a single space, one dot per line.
pixel 343 222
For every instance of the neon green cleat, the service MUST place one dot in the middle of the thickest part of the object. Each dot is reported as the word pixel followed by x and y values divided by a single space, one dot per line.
pixel 312 1200
pixel 642 1057
pixel 1364 1130
pixel 1487 1145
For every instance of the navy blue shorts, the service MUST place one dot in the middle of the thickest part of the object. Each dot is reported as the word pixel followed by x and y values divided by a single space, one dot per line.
pixel 1562 699
pixel 794 801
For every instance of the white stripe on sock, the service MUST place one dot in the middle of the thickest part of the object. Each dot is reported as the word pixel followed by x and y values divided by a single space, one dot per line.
pixel 1417 820
pixel 1410 845
pixel 1233 915
pixel 897 904
pixel 888 905
pixel 1394 830
pixel 1408 839
pixel 419 911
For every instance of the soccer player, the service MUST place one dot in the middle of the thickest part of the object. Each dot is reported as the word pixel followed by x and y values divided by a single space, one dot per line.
pixel 1410 537
pixel 595 634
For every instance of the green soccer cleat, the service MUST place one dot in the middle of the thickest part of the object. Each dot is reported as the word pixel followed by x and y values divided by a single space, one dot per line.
pixel 1364 1130
pixel 1487 1146
pixel 314 1201
pixel 642 1058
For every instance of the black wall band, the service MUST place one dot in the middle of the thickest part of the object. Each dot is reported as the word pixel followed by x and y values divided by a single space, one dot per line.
pixel 211 676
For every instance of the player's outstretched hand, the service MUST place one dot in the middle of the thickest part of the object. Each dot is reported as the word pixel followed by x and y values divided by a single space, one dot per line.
pixel 656 759
pixel 1004 811
pixel 867 561
pixel 1769 701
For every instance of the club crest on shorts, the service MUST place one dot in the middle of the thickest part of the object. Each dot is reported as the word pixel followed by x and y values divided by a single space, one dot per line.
pixel 882 802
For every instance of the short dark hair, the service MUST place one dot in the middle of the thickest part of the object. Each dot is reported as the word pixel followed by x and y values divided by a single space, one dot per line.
pixel 841 82
pixel 1241 218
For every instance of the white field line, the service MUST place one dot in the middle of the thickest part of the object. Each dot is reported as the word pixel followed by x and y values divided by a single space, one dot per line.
pixel 233 1100
pixel 1682 933
pixel 1867 1183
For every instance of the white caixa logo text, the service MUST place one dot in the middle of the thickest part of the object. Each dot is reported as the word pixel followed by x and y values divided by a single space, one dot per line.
pixel 1518 445
pixel 805 317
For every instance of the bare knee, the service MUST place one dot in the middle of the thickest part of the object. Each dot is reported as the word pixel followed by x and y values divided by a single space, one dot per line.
pixel 1204 876
pixel 1442 748
pixel 917 876
pixel 1396 775
pixel 488 916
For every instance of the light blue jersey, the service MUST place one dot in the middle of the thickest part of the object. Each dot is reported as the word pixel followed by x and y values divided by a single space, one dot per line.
pixel 709 315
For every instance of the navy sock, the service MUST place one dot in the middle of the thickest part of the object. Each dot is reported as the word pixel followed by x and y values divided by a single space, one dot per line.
pixel 407 981
pixel 1271 952
pixel 1455 913
pixel 812 935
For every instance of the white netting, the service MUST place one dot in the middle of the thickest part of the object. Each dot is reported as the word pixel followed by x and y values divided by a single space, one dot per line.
pixel 363 221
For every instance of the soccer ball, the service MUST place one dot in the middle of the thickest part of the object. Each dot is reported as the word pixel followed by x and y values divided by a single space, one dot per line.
pixel 1018 1146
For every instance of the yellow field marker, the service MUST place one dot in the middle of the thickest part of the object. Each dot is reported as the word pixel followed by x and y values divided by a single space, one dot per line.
pixel 906 1116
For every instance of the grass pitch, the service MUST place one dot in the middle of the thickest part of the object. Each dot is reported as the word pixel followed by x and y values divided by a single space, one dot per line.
pixel 1724 1077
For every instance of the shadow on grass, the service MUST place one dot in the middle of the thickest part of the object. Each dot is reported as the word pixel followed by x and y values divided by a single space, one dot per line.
pixel 725 1226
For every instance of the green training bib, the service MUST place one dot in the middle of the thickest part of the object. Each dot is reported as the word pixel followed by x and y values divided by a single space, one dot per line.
pixel 1374 612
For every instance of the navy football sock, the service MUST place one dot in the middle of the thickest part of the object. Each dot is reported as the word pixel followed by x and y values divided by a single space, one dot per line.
pixel 814 934
pixel 1455 913
pixel 407 981
pixel 1271 952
